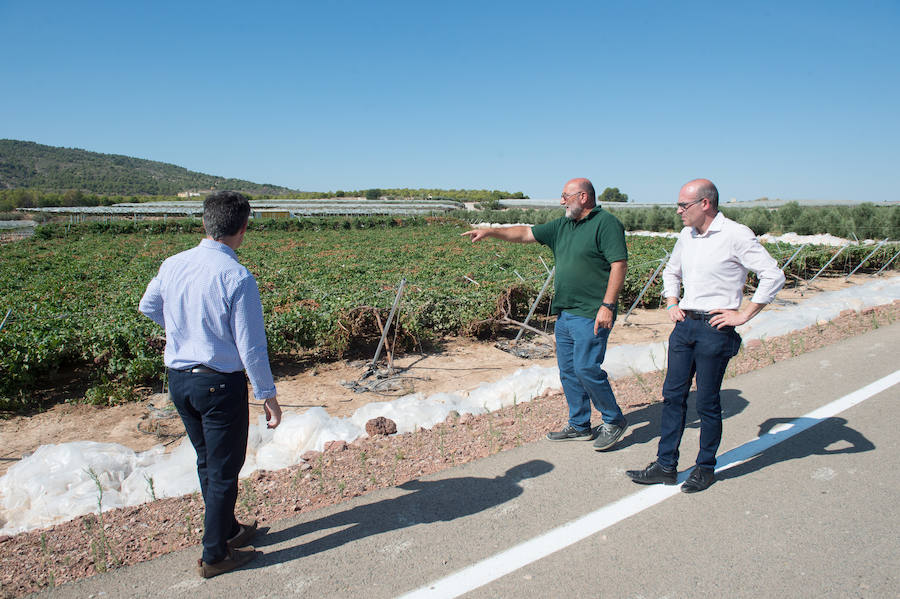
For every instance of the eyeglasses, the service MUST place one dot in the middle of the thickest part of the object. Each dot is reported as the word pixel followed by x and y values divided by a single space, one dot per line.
pixel 565 196
pixel 686 205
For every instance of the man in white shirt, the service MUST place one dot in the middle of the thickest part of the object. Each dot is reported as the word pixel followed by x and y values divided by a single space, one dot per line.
pixel 711 259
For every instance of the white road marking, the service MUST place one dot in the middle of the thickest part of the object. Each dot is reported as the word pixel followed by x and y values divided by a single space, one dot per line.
pixel 501 564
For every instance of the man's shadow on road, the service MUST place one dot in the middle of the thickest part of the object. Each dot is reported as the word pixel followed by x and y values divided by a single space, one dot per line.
pixel 820 437
pixel 429 501
pixel 828 436
pixel 650 416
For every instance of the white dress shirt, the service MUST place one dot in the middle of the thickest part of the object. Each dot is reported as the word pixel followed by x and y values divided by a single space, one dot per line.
pixel 713 267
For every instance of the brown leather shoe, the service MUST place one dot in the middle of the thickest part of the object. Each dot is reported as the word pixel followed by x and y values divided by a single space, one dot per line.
pixel 235 559
pixel 244 535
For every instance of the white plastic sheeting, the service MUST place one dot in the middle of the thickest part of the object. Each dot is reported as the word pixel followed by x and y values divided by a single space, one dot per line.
pixel 55 483
pixel 778 320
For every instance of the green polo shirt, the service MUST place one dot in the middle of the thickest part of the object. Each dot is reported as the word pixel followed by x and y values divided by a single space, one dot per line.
pixel 583 251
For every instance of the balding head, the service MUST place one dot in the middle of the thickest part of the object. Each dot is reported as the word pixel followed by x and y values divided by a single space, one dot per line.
pixel 702 188
pixel 582 184
pixel 698 204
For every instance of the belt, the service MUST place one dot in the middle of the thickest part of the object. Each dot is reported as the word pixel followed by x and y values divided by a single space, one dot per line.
pixel 200 369
pixel 698 314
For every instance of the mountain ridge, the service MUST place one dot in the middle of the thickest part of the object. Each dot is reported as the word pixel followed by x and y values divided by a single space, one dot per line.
pixel 30 165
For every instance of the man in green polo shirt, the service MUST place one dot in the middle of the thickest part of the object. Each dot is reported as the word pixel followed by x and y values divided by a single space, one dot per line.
pixel 588 246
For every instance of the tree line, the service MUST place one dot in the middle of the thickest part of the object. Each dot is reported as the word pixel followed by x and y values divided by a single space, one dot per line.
pixel 376 193
pixel 863 221
pixel 11 199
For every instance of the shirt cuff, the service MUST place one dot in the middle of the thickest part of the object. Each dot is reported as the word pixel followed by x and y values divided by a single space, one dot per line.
pixel 264 394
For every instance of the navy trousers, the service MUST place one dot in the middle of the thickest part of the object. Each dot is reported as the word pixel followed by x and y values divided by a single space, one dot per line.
pixel 695 348
pixel 214 409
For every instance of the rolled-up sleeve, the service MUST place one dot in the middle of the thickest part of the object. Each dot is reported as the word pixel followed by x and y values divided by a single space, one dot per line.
pixel 754 257
pixel 249 334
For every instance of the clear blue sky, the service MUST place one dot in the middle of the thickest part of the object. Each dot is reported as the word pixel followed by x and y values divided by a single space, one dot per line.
pixel 790 100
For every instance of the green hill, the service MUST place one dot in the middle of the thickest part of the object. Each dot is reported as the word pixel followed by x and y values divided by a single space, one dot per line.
pixel 29 165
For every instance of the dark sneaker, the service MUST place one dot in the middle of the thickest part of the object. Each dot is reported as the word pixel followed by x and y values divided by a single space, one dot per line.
pixel 244 535
pixel 235 559
pixel 699 480
pixel 608 435
pixel 570 433
pixel 653 474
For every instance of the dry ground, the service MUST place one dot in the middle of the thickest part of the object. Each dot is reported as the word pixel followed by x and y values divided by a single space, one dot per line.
pixel 89 544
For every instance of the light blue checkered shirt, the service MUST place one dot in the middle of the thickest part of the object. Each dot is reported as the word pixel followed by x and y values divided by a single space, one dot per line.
pixel 209 306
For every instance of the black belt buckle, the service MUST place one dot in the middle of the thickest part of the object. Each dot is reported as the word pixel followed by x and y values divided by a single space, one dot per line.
pixel 201 369
pixel 698 315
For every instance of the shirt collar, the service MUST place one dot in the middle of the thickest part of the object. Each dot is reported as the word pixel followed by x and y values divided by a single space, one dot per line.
pixel 218 246
pixel 594 211
pixel 716 225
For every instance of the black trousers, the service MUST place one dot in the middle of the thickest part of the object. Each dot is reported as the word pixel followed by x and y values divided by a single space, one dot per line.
pixel 214 409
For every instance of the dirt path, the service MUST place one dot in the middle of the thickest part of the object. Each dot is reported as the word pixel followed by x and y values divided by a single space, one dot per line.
pixel 461 365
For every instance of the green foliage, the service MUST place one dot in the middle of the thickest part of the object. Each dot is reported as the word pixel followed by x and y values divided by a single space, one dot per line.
pixel 491 204
pixel 507 216
pixel 758 219
pixel 655 218
pixel 74 291
pixel 457 195
pixel 25 164
pixel 612 194
pixel 195 225
pixel 11 199
pixel 863 221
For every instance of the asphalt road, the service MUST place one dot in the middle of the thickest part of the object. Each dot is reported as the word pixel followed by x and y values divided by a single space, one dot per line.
pixel 814 515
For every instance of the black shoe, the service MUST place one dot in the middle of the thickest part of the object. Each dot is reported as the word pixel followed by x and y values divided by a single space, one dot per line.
pixel 608 435
pixel 570 433
pixel 699 480
pixel 653 474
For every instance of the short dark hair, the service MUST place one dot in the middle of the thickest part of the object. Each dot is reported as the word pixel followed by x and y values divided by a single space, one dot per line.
pixel 224 213
pixel 708 190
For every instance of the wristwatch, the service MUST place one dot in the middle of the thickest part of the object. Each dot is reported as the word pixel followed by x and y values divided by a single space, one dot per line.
pixel 612 307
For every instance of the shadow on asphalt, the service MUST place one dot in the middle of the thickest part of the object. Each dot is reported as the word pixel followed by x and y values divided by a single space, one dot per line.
pixel 830 436
pixel 428 501
pixel 643 424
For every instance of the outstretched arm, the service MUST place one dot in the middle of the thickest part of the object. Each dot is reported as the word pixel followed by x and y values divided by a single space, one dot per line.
pixel 517 234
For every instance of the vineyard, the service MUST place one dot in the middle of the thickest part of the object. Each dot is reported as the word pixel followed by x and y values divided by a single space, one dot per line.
pixel 70 293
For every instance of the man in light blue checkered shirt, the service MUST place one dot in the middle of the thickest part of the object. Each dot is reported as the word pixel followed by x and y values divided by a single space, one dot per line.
pixel 209 305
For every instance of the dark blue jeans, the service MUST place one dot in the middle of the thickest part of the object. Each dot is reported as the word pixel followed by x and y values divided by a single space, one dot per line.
pixel 214 410
pixel 695 348
pixel 579 354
